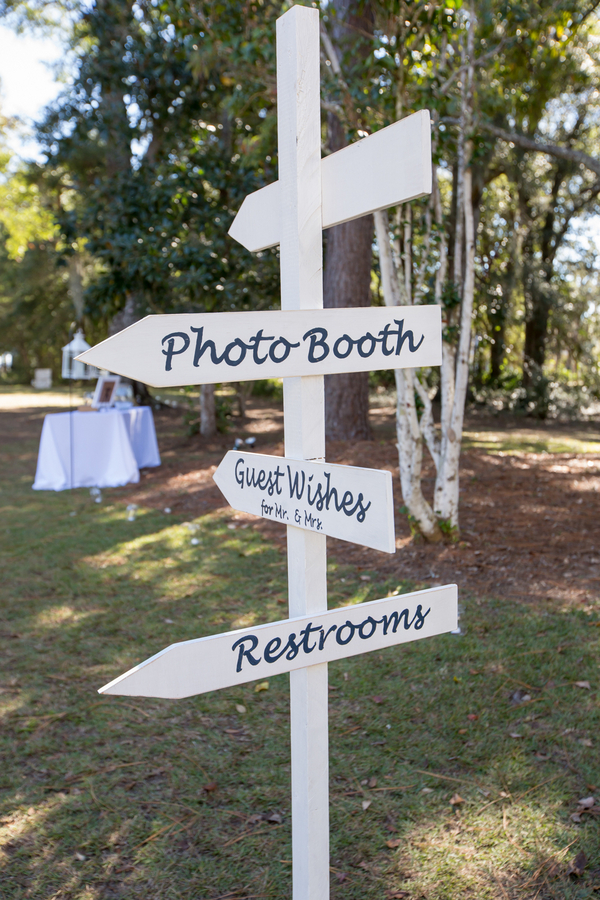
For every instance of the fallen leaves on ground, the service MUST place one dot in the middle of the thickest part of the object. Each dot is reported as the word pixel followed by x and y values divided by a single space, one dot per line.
pixel 578 865
pixel 456 800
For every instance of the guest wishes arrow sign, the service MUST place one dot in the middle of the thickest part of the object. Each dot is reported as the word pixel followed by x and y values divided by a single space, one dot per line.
pixel 345 502
pixel 209 348
pixel 223 660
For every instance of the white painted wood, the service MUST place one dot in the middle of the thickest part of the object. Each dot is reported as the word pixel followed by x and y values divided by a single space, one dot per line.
pixel 301 255
pixel 385 169
pixel 346 502
pixel 223 660
pixel 257 224
pixel 242 346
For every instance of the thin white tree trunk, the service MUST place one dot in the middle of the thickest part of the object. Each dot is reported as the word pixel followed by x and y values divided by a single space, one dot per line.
pixel 462 362
pixel 208 416
pixel 410 440
pixel 455 360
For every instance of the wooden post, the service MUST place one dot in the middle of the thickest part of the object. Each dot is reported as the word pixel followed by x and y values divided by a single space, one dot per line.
pixel 299 136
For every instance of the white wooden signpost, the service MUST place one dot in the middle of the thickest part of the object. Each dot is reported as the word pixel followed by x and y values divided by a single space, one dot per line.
pixel 301 343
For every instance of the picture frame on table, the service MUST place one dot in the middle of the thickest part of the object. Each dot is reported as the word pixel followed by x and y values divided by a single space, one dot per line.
pixel 105 392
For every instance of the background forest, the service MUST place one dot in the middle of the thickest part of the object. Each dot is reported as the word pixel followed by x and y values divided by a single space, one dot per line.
pixel 168 119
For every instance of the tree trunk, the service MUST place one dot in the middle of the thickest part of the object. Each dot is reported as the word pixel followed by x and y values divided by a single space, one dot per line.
pixel 208 415
pixel 348 255
pixel 347 282
pixel 408 431
pixel 536 330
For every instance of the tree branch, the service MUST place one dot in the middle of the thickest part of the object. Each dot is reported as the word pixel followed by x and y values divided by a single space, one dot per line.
pixel 520 140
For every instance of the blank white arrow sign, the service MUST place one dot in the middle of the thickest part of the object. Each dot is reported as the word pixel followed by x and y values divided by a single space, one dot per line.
pixel 345 502
pixel 389 167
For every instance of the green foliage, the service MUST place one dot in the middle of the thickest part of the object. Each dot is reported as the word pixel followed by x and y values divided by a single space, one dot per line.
pixel 189 91
pixel 35 307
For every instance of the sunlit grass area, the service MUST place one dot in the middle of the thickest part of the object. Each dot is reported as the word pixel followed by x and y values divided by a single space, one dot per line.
pixel 532 440
pixel 457 762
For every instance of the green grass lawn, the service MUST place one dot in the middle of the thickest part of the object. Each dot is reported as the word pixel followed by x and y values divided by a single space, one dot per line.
pixel 446 782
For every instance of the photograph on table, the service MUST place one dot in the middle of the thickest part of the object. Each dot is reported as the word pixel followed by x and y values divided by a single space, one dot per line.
pixel 106 391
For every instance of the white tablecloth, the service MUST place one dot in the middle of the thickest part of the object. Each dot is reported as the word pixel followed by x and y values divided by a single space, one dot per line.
pixel 95 449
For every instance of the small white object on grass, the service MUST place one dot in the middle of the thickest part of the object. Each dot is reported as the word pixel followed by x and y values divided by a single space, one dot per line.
pixel 195 541
pixel 167 510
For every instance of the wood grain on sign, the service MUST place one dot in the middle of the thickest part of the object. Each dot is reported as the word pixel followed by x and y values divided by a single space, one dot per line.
pixel 206 348
pixel 345 502
pixel 301 263
pixel 223 660
pixel 357 180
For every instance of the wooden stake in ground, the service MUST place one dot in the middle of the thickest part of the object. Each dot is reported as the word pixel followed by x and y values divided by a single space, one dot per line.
pixel 301 255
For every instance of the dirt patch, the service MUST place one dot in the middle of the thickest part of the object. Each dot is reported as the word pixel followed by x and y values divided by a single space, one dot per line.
pixel 529 520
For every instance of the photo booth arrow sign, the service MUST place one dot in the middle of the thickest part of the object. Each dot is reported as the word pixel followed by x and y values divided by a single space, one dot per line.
pixel 345 502
pixel 355 181
pixel 210 348
pixel 249 654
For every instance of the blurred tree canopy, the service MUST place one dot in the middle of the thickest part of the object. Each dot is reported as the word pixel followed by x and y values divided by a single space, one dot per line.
pixel 169 119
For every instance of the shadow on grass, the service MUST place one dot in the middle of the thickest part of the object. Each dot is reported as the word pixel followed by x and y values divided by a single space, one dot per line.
pixel 124 797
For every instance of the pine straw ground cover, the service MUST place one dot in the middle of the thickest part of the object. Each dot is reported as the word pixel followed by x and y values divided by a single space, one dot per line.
pixel 457 763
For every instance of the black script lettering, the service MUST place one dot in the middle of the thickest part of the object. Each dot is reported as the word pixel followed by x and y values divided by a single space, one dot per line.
pixel 318 497
pixel 246 652
pixel 383 336
pixel 280 512
pixel 311 521
pixel 229 349
pixel 287 347
pixel 170 352
pixel 292 647
pixel 269 483
pixel 294 489
pixel 201 348
pixel 346 503
pixel 306 633
pixel 339 638
pixel 369 621
pixel 265 508
pixel 255 343
pixel 395 618
pixel 360 515
pixel 406 336
pixel 315 343
pixel 420 617
pixel 345 338
pixel 359 345
pixel 271 649
pixel 324 635
pixel 330 492
pixel 239 475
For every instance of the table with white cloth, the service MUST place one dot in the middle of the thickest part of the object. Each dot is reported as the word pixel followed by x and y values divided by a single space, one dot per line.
pixel 100 449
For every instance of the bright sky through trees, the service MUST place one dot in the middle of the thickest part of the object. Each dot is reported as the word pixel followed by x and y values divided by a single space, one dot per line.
pixel 27 82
